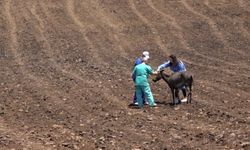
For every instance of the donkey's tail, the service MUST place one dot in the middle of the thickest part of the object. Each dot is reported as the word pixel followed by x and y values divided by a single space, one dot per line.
pixel 190 89
pixel 191 82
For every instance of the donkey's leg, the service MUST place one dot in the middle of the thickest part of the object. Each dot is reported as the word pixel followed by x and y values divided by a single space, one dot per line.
pixel 190 93
pixel 190 97
pixel 177 97
pixel 177 93
pixel 173 96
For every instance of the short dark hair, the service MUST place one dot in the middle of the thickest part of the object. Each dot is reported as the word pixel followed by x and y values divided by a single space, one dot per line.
pixel 174 58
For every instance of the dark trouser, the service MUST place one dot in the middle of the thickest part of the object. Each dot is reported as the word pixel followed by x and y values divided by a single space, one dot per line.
pixel 184 91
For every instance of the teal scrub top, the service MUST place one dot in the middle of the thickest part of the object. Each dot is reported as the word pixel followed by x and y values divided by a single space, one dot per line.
pixel 141 73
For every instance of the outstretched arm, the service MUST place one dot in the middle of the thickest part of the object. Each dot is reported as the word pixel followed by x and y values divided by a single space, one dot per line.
pixel 150 71
pixel 162 66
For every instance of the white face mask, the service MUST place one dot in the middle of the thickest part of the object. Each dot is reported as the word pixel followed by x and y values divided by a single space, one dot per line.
pixel 145 58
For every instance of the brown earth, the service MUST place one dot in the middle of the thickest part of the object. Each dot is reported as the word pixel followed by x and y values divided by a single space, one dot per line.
pixel 65 74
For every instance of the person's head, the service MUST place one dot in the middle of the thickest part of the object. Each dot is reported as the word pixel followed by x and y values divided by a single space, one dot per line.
pixel 173 59
pixel 145 56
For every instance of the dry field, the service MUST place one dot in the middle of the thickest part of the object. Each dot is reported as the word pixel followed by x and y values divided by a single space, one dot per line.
pixel 65 74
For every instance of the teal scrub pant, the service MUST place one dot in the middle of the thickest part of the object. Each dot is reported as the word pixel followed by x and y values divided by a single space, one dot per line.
pixel 140 90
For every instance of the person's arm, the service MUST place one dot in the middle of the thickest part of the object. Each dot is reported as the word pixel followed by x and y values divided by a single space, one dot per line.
pixel 155 72
pixel 133 74
pixel 162 66
pixel 151 71
pixel 182 67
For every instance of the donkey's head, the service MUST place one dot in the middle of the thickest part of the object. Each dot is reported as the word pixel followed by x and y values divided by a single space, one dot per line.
pixel 160 75
pixel 157 78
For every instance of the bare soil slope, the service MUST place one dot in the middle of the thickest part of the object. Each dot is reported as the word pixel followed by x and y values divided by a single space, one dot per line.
pixel 65 74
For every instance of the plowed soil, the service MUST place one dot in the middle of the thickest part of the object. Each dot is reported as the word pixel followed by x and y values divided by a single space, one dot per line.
pixel 65 75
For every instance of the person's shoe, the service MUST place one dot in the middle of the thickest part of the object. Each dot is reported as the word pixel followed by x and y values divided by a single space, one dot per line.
pixel 136 103
pixel 154 105
pixel 184 100
pixel 146 103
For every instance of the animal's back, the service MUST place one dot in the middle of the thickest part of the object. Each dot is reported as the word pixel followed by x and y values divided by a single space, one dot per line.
pixel 188 77
pixel 180 79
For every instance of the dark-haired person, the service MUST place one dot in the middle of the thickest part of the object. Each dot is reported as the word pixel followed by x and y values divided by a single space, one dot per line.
pixel 138 61
pixel 175 65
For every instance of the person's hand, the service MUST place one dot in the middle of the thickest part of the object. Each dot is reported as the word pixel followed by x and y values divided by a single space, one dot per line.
pixel 155 72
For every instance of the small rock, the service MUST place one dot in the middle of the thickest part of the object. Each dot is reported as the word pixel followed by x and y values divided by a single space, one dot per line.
pixel 49 143
pixel 176 108
pixel 102 138
pixel 65 144
pixel 245 144
pixel 79 60
pixel 225 101
pixel 232 135
pixel 76 147
pixel 112 142
pixel 150 118
pixel 56 126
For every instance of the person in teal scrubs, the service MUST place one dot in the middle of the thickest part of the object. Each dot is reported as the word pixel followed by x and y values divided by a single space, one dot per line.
pixel 137 62
pixel 141 73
